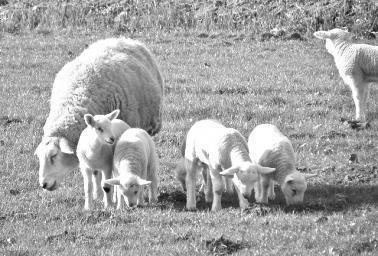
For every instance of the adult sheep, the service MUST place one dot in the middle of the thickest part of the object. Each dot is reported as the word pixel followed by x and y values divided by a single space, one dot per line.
pixel 357 65
pixel 114 73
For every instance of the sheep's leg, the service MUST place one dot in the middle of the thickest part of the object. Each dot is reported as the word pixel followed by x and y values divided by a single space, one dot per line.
pixel 141 201
pixel 257 188
pixel 190 180
pixel 96 180
pixel 204 179
pixel 153 190
pixel 208 187
pixel 88 187
pixel 228 186
pixel 218 188
pixel 271 194
pixel 360 91
pixel 108 189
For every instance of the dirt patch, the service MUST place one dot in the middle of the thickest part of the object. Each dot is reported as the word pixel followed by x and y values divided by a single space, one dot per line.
pixel 355 124
pixel 258 210
pixel 6 121
pixel 224 246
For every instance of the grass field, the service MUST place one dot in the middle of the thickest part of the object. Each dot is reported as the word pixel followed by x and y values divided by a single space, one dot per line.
pixel 242 82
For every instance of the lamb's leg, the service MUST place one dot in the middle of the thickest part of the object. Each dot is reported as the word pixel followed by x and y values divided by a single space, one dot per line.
pixel 108 189
pixel 228 186
pixel 265 181
pixel 271 194
pixel 204 179
pixel 218 188
pixel 141 201
pixel 190 180
pixel 153 189
pixel 88 187
pixel 119 197
pixel 360 91
pixel 96 180
pixel 208 187
pixel 257 188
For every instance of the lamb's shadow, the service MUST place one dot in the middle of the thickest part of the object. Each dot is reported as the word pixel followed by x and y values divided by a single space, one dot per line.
pixel 325 198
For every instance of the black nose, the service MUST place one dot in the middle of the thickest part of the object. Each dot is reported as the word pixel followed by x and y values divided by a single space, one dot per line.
pixel 111 139
pixel 44 185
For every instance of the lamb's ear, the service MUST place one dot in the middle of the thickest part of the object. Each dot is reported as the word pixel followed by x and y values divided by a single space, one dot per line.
pixel 265 170
pixel 89 120
pixel 113 182
pixel 322 34
pixel 65 147
pixel 310 175
pixel 38 148
pixel 142 182
pixel 229 173
pixel 113 114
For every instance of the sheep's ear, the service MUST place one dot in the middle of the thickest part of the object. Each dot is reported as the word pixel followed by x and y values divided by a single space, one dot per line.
pixel 310 175
pixel 142 182
pixel 65 147
pixel 230 171
pixel 89 120
pixel 38 148
pixel 113 114
pixel 113 182
pixel 265 170
pixel 322 34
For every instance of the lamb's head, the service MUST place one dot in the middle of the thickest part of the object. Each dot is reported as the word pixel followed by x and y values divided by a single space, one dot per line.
pixel 56 158
pixel 294 187
pixel 101 126
pixel 331 36
pixel 130 187
pixel 245 176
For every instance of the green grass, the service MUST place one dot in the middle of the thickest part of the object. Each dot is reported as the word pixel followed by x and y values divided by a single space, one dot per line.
pixel 293 84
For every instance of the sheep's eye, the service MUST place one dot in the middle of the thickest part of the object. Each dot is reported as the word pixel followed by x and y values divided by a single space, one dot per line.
pixel 100 129
pixel 135 192
pixel 294 192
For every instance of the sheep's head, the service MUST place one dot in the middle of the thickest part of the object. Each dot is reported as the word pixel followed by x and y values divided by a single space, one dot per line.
pixel 333 35
pixel 130 186
pixel 56 158
pixel 101 125
pixel 294 187
pixel 245 176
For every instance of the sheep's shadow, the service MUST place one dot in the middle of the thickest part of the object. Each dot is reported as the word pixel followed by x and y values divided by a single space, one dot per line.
pixel 323 198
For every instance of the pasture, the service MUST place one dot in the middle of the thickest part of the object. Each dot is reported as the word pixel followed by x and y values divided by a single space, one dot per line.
pixel 241 82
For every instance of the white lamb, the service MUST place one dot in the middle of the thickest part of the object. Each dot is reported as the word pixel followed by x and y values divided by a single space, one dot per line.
pixel 269 147
pixel 114 73
pixel 225 152
pixel 95 152
pixel 135 166
pixel 357 65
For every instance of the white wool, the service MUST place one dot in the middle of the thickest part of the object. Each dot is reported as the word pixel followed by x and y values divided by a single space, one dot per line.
pixel 225 152
pixel 269 147
pixel 135 165
pixel 114 73
pixel 357 65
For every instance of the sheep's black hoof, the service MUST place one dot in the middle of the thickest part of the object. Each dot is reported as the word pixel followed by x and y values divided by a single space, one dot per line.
pixel 106 189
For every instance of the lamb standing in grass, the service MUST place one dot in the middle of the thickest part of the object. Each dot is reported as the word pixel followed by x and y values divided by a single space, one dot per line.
pixel 269 147
pixel 114 73
pixel 135 166
pixel 225 152
pixel 357 65
pixel 95 152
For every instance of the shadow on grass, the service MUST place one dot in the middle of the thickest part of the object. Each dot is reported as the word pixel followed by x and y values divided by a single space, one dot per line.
pixel 327 198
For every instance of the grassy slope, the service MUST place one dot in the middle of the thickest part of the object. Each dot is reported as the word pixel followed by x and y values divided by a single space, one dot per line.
pixel 294 85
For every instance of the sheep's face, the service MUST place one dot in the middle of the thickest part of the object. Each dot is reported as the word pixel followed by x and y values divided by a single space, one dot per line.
pixel 56 158
pixel 101 125
pixel 130 187
pixel 294 188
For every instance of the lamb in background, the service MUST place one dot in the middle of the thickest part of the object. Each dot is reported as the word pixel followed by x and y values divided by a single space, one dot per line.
pixel 269 147
pixel 357 65
pixel 95 153
pixel 114 73
pixel 225 152
pixel 135 166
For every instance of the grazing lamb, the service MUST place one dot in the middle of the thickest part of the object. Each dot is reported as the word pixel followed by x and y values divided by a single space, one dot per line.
pixel 269 147
pixel 114 73
pixel 135 166
pixel 95 153
pixel 225 152
pixel 357 65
